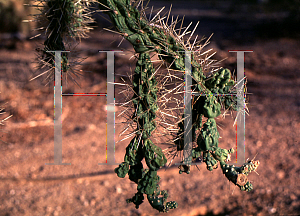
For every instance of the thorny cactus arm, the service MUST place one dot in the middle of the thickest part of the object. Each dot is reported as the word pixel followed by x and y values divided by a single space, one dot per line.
pixel 128 22
pixel 63 21
pixel 238 175
pixel 141 145
pixel 152 36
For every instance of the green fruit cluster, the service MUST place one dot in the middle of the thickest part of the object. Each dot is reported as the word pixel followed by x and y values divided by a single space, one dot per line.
pixel 215 90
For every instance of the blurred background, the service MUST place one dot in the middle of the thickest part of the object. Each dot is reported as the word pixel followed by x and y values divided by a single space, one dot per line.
pixel 270 28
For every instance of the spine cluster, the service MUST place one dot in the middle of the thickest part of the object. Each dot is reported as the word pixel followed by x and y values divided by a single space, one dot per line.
pixel 63 21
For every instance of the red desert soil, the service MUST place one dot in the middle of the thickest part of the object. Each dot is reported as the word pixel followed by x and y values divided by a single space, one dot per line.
pixel 29 187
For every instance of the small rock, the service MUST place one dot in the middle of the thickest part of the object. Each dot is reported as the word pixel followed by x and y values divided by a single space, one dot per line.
pixel 86 203
pixel 92 127
pixel 202 210
pixel 49 209
pixel 70 200
pixel 259 143
pixel 36 150
pixel 171 181
pixel 272 210
pixel 93 202
pixel 17 154
pixel 118 189
pixel 293 197
pixel 280 174
pixel 295 204
pixel 82 198
pixel 12 192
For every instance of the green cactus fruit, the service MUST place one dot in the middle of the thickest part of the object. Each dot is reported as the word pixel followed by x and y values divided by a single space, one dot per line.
pixel 247 187
pixel 184 168
pixel 211 108
pixel 134 153
pixel 238 175
pixel 220 82
pixel 136 172
pixel 211 162
pixel 158 201
pixel 148 184
pixel 209 135
pixel 221 154
pixel 122 170
pixel 154 156
pixel 137 199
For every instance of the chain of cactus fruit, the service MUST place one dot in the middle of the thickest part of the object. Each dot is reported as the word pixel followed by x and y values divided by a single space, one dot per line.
pixel 155 36
pixel 147 37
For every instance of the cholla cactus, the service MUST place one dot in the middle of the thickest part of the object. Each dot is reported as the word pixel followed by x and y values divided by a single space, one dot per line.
pixel 151 94
pixel 63 21
pixel 155 35
pixel 238 175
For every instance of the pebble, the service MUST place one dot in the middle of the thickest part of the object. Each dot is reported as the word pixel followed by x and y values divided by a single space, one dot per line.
pixel 17 154
pixel 93 202
pixel 86 203
pixel 49 209
pixel 12 192
pixel 118 189
pixel 82 197
pixel 293 197
pixel 280 174
pixel 269 127
pixel 79 181
pixel 92 127
pixel 259 143
pixel 272 210
pixel 202 210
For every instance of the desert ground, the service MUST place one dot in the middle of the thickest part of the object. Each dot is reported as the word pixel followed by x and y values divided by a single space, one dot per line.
pixel 29 187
